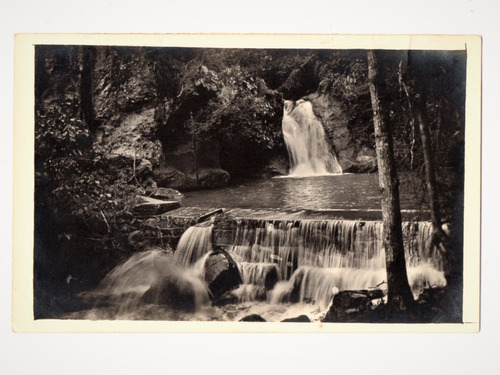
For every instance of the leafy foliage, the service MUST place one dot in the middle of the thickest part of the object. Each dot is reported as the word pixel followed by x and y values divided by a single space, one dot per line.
pixel 232 106
pixel 72 176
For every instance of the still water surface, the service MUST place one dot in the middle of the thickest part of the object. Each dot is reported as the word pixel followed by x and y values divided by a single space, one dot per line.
pixel 342 191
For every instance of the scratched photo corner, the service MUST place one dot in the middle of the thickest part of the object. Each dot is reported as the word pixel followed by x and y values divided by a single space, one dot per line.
pixel 200 184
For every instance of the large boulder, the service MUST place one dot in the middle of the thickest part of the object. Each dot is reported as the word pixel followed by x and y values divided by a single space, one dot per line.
pixel 167 292
pixel 203 178
pixel 358 160
pixel 221 273
pixel 271 278
pixel 147 206
pixel 297 319
pixel 212 177
pixel 253 318
pixel 278 166
pixel 166 194
pixel 356 306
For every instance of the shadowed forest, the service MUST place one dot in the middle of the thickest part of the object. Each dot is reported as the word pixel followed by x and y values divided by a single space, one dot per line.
pixel 249 184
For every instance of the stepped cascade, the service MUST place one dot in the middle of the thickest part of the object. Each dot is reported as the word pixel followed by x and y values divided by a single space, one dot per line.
pixel 281 262
pixel 304 136
pixel 314 257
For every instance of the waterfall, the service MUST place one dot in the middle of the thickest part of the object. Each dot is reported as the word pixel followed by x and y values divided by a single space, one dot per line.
pixel 320 284
pixel 159 277
pixel 258 280
pixel 280 262
pixel 194 243
pixel 261 274
pixel 327 243
pixel 148 272
pixel 305 140
pixel 137 273
pixel 314 257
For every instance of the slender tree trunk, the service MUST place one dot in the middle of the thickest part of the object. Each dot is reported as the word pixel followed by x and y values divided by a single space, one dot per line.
pixel 430 176
pixel 450 247
pixel 439 237
pixel 399 296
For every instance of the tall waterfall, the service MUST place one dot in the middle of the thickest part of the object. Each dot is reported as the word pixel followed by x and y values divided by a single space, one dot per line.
pixel 305 140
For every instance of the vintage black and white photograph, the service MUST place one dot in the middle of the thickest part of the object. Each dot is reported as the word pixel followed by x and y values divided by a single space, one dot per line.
pixel 235 184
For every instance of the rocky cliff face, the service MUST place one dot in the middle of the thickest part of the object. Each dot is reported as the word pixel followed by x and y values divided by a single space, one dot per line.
pixel 351 154
pixel 124 105
pixel 113 93
pixel 138 124
pixel 143 110
pixel 335 83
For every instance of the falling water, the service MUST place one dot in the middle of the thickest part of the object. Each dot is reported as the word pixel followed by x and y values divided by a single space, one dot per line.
pixel 305 140
pixel 137 273
pixel 194 243
pixel 315 257
pixel 146 277
pixel 262 274
pixel 283 264
pixel 258 280
pixel 122 291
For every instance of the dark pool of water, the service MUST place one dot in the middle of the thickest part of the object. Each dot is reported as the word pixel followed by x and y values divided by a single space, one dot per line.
pixel 346 191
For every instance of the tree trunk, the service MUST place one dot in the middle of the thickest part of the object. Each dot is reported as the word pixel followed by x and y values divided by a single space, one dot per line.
pixel 439 237
pixel 450 247
pixel 399 297
pixel 430 176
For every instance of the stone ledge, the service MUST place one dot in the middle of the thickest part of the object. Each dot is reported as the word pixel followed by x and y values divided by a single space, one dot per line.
pixel 150 206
